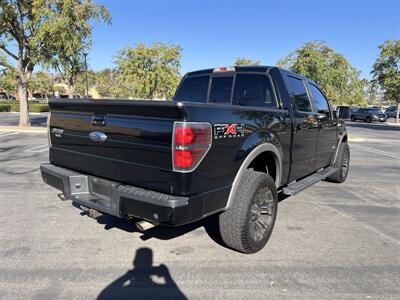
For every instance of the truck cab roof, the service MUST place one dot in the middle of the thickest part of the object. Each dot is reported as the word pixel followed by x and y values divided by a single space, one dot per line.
pixel 244 69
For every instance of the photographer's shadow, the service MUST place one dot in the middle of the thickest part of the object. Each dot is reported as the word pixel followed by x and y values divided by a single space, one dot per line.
pixel 144 281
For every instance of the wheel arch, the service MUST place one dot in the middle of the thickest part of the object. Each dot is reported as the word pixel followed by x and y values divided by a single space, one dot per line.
pixel 342 139
pixel 259 152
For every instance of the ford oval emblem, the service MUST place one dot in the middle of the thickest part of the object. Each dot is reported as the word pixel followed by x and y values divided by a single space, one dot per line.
pixel 97 136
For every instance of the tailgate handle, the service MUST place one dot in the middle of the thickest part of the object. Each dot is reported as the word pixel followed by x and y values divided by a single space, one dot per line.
pixel 99 120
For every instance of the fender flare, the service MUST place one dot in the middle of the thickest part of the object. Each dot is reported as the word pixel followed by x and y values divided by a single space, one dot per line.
pixel 341 137
pixel 266 147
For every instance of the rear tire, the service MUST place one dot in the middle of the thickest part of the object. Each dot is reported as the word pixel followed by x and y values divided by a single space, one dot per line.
pixel 247 224
pixel 342 163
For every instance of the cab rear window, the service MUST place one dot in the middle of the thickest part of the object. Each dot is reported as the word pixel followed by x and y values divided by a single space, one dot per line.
pixel 221 89
pixel 193 89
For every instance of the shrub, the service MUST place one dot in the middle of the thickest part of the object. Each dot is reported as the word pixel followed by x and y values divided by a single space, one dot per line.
pixel 14 105
pixel 36 107
pixel 5 107
pixel 33 107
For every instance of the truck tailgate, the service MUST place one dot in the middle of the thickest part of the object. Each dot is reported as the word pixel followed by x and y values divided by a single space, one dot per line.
pixel 137 148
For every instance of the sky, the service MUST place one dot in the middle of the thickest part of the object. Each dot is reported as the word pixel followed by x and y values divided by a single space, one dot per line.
pixel 215 33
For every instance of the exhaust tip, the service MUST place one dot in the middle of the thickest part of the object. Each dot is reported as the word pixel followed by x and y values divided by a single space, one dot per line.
pixel 93 213
pixel 144 225
pixel 62 197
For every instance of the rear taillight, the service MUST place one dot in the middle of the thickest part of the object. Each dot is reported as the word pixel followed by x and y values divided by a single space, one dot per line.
pixel 190 143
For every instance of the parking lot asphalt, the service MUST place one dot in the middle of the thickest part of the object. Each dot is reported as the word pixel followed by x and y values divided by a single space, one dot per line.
pixel 332 241
pixel 12 119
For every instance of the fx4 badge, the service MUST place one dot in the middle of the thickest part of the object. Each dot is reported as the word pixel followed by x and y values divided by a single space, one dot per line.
pixel 222 131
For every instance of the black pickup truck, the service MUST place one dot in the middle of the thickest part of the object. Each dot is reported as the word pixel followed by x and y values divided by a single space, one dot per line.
pixel 229 143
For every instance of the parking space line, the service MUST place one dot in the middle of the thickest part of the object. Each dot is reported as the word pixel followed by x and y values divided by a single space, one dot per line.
pixel 372 150
pixel 40 148
pixel 7 133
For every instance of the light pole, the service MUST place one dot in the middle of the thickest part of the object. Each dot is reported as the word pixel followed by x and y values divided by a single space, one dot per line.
pixel 86 71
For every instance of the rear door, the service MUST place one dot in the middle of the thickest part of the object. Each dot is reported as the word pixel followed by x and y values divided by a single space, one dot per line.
pixel 304 146
pixel 327 132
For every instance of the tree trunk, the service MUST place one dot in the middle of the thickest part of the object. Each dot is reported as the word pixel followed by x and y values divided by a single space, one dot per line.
pixel 398 112
pixel 23 104
pixel 70 89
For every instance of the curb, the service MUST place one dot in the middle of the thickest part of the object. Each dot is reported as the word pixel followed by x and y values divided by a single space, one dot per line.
pixel 26 129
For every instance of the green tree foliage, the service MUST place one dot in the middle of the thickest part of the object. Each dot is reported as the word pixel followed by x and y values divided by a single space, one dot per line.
pixel 339 80
pixel 386 71
pixel 8 82
pixel 42 83
pixel 43 31
pixel 246 62
pixel 80 82
pixel 152 72
pixel 59 89
pixel 109 84
pixel 371 91
pixel 69 61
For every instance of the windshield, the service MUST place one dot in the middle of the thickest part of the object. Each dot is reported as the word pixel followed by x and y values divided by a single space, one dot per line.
pixel 375 111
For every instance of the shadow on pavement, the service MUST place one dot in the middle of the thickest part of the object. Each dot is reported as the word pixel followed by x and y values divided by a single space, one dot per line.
pixel 160 232
pixel 144 281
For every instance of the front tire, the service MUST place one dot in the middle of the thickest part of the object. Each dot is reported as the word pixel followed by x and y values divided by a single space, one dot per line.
pixel 353 118
pixel 342 163
pixel 368 119
pixel 247 224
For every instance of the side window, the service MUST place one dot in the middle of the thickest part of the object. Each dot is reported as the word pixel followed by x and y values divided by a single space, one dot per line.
pixel 193 89
pixel 299 93
pixel 320 101
pixel 221 88
pixel 253 90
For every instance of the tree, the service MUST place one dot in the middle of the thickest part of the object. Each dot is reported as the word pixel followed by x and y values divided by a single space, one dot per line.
pixel 70 61
pixel 246 62
pixel 109 84
pixel 386 71
pixel 41 83
pixel 371 92
pixel 339 80
pixel 40 31
pixel 80 82
pixel 152 72
pixel 59 89
pixel 8 82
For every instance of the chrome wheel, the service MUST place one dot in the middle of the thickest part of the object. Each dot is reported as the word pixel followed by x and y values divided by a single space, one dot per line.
pixel 261 214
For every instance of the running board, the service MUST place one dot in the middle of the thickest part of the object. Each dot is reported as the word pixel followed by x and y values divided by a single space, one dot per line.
pixel 296 187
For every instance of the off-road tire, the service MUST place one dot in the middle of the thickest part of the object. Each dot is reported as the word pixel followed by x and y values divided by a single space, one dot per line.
pixel 235 222
pixel 341 174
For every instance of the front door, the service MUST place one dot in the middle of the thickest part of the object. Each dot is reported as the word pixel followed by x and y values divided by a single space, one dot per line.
pixel 327 124
pixel 304 146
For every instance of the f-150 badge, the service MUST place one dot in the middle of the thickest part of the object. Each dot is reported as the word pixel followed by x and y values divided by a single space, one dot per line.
pixel 222 131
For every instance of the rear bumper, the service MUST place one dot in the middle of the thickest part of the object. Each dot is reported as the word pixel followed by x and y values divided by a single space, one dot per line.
pixel 128 201
pixel 379 119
